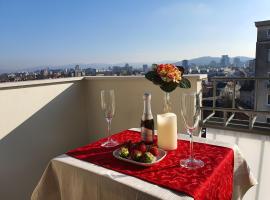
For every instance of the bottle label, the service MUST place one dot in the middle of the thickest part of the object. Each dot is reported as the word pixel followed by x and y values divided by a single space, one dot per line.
pixel 147 134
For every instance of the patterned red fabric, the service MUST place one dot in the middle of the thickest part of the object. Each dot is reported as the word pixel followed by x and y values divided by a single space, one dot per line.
pixel 212 182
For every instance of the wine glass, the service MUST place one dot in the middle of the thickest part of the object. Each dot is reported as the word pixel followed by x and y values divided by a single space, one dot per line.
pixel 108 107
pixel 190 110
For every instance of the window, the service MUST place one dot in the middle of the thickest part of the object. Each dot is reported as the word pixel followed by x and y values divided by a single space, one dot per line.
pixel 268 120
pixel 268 99
pixel 268 55
pixel 268 33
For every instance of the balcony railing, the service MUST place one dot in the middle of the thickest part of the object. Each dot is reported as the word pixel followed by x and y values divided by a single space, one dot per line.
pixel 268 85
pixel 236 116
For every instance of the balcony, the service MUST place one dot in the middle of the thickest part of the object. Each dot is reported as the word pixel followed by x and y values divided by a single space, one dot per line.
pixel 43 119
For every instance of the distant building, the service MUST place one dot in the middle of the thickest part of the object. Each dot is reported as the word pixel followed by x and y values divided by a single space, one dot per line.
pixel 237 62
pixel 228 90
pixel 90 72
pixel 78 71
pixel 185 65
pixel 225 61
pixel 251 64
pixel 4 78
pixel 213 63
pixel 127 70
pixel 145 68
pixel 44 73
pixel 262 67
pixel 116 70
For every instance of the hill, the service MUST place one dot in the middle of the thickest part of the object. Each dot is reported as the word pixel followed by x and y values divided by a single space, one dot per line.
pixel 205 60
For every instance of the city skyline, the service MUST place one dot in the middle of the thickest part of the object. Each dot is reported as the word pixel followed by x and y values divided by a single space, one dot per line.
pixel 53 33
pixel 199 61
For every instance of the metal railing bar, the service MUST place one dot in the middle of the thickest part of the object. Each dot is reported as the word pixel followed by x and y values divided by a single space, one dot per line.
pixel 214 94
pixel 242 127
pixel 255 130
pixel 236 121
pixel 224 117
pixel 208 117
pixel 230 125
pixel 255 95
pixel 230 118
pixel 239 78
pixel 252 121
pixel 236 110
pixel 211 98
pixel 233 98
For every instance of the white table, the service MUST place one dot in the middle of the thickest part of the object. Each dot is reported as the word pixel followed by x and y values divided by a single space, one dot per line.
pixel 68 178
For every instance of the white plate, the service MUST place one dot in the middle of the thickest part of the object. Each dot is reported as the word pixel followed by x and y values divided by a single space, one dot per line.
pixel 159 158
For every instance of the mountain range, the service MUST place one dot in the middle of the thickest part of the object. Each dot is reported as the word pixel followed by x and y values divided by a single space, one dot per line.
pixel 205 60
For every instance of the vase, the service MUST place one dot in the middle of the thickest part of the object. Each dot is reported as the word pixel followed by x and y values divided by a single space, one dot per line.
pixel 167 105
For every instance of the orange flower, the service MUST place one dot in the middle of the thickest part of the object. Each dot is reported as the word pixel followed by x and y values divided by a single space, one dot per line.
pixel 169 73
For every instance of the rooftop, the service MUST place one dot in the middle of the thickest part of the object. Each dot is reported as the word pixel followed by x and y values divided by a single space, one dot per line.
pixel 262 23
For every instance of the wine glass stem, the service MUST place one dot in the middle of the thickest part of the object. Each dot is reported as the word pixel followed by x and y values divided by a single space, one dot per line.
pixel 109 121
pixel 191 156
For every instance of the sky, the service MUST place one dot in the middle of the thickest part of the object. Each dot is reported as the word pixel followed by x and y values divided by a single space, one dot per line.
pixel 58 32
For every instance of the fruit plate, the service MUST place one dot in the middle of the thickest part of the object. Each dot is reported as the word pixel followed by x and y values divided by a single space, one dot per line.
pixel 160 157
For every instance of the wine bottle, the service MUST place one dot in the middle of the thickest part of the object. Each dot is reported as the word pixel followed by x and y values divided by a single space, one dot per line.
pixel 147 121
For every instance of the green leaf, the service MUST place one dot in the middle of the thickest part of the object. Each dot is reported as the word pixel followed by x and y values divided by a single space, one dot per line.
pixel 154 66
pixel 154 77
pixel 184 83
pixel 168 87
pixel 181 69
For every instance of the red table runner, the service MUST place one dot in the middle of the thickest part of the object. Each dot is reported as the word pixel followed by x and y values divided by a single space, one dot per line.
pixel 214 181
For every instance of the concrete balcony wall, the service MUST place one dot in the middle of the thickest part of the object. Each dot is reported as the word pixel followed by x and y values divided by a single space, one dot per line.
pixel 129 103
pixel 256 150
pixel 39 120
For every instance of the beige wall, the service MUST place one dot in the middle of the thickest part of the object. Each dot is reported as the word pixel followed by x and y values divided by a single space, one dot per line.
pixel 256 150
pixel 38 122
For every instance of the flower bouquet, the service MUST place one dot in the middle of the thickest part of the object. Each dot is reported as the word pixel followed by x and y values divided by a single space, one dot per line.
pixel 168 77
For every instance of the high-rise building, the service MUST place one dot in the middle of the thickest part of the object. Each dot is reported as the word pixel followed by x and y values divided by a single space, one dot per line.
pixel 127 69
pixel 145 68
pixel 251 67
pixel 225 61
pixel 262 66
pixel 237 62
pixel 78 71
pixel 185 65
pixel 251 63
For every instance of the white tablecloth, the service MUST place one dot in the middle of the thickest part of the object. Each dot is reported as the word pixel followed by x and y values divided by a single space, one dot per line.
pixel 68 178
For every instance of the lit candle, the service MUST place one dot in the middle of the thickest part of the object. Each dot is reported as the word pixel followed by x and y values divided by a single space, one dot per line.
pixel 167 131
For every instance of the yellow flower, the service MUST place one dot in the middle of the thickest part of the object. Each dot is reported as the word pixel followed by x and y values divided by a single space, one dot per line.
pixel 169 73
